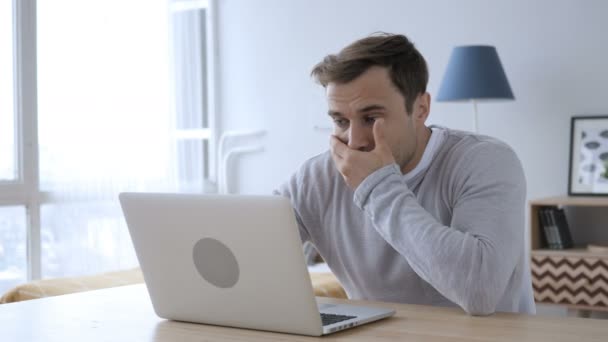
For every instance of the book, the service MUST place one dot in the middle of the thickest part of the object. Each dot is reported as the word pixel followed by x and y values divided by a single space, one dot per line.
pixel 563 230
pixel 557 241
pixel 543 229
pixel 548 228
pixel 554 225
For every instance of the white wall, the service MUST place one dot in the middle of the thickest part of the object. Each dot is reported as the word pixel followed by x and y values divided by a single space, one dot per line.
pixel 554 54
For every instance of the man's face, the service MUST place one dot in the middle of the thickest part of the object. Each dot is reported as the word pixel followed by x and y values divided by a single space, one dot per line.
pixel 354 107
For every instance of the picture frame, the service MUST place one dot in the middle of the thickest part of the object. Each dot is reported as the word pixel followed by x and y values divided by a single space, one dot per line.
pixel 588 172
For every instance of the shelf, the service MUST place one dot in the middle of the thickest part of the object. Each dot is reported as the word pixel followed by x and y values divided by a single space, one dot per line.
pixel 572 252
pixel 571 201
pixel 559 201
pixel 578 307
pixel 576 278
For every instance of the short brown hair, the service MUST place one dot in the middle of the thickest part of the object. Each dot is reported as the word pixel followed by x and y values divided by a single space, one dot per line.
pixel 406 66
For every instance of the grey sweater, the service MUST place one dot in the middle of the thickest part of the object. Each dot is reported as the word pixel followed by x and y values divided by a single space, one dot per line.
pixel 451 235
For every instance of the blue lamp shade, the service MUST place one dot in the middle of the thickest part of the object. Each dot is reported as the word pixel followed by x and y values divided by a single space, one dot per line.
pixel 474 73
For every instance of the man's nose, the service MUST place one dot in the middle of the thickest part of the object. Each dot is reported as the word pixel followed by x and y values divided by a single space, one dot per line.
pixel 358 139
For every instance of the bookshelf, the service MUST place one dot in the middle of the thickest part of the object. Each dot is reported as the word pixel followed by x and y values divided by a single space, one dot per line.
pixel 576 278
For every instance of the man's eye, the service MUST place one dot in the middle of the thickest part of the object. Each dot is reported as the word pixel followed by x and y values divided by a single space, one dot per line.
pixel 340 122
pixel 370 120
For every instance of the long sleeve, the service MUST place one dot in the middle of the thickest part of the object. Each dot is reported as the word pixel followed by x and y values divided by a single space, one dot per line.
pixel 291 189
pixel 471 261
pixel 305 205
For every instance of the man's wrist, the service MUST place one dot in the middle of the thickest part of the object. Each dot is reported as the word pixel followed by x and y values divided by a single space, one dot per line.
pixel 364 189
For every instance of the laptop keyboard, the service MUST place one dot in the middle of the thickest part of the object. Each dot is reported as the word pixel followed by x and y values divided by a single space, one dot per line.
pixel 328 319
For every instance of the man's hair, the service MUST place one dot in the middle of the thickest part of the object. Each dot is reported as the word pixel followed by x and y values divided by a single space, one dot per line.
pixel 406 66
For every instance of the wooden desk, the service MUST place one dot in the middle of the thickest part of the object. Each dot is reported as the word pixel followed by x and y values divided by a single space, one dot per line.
pixel 125 314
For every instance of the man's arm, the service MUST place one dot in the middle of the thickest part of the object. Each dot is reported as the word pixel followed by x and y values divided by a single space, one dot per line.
pixel 469 262
pixel 299 194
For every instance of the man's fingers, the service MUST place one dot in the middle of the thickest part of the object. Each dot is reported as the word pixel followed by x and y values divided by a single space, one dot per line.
pixel 338 148
pixel 382 147
pixel 378 131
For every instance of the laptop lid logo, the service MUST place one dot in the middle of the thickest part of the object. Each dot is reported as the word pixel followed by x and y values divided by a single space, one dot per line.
pixel 216 263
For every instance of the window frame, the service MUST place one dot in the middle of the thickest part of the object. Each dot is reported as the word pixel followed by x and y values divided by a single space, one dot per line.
pixel 24 190
pixel 208 134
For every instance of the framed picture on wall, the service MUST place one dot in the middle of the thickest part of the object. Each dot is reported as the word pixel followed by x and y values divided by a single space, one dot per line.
pixel 588 174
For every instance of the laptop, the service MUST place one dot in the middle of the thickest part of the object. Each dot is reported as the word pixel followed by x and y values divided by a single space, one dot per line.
pixel 231 260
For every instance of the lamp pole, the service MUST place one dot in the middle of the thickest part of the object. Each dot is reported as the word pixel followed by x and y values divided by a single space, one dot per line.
pixel 475 115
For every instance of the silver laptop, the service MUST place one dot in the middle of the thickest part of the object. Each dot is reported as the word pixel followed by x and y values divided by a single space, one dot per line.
pixel 233 261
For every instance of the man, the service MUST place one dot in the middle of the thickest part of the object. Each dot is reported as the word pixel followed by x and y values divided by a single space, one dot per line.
pixel 403 212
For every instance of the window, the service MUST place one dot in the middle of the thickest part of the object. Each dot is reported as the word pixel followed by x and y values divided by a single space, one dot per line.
pixel 104 125
pixel 120 104
pixel 13 219
pixel 192 71
pixel 12 247
pixel 8 171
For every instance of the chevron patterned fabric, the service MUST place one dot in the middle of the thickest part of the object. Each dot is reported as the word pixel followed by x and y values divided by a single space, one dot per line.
pixel 561 279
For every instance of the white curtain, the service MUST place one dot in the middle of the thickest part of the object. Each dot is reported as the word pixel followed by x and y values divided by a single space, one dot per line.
pixel 106 125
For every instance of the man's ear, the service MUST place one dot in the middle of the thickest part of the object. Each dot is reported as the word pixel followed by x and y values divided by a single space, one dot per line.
pixel 422 107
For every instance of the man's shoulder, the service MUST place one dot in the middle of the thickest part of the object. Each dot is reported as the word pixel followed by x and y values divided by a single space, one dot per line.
pixel 475 146
pixel 316 181
pixel 483 156
pixel 317 171
pixel 320 161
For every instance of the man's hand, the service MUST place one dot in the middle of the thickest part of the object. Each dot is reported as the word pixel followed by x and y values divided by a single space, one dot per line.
pixel 355 165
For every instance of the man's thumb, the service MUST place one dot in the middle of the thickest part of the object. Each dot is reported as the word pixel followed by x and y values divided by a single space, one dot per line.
pixel 378 131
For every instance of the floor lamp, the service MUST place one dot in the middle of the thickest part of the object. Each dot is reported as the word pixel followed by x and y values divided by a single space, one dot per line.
pixel 474 73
